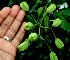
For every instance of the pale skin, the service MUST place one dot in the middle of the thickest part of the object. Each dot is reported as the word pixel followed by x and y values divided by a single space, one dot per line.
pixel 10 21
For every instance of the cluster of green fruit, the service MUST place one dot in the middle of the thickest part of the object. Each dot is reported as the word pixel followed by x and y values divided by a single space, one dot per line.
pixel 33 36
pixel 23 46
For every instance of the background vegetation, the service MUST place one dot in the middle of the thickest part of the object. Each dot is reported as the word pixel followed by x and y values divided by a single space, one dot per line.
pixel 38 50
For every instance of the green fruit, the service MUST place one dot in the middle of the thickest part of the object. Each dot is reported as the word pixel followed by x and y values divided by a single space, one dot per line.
pixel 28 26
pixel 33 36
pixel 59 43
pixel 56 22
pixel 24 6
pixel 53 56
pixel 23 46
pixel 51 8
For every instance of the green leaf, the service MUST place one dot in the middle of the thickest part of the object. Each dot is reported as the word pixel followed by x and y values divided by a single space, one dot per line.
pixel 55 14
pixel 33 7
pixel 39 11
pixel 65 24
pixel 30 19
pixel 10 2
pixel 38 1
pixel 66 12
pixel 46 21
pixel 44 14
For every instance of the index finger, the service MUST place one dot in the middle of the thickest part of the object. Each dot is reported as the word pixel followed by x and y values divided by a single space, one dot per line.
pixel 4 13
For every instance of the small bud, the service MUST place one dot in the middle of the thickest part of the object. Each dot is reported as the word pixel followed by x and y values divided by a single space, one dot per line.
pixel 56 22
pixel 51 8
pixel 59 43
pixel 23 46
pixel 33 36
pixel 28 26
pixel 53 56
pixel 24 6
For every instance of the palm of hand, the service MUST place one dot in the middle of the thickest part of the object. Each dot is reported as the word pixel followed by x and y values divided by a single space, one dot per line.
pixel 10 21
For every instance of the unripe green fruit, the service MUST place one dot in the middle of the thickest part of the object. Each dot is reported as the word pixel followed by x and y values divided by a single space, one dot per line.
pixel 51 8
pixel 23 46
pixel 59 43
pixel 33 36
pixel 56 22
pixel 26 40
pixel 53 56
pixel 28 26
pixel 24 6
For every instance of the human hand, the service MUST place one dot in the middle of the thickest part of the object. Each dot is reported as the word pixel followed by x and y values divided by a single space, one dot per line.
pixel 10 21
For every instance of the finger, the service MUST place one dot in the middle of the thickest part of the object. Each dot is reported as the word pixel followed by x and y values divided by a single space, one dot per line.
pixel 18 38
pixel 4 13
pixel 15 25
pixel 8 21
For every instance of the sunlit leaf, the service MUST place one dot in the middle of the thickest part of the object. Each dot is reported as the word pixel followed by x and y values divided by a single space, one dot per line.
pixel 39 11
